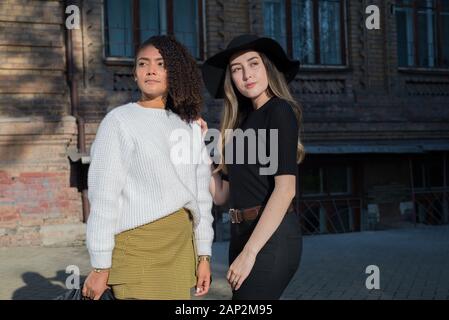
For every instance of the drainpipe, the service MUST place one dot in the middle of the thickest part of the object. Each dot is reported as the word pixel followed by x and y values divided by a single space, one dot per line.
pixel 72 81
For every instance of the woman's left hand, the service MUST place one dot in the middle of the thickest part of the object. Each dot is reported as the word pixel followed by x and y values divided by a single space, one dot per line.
pixel 204 278
pixel 240 269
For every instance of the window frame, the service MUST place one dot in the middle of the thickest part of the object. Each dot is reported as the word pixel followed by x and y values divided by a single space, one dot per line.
pixel 114 60
pixel 437 7
pixel 421 166
pixel 324 182
pixel 316 28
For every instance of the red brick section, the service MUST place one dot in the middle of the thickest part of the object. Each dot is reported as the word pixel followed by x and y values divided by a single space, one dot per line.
pixel 4 178
pixel 32 200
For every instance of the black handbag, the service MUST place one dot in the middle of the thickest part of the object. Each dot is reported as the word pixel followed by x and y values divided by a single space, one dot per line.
pixel 76 294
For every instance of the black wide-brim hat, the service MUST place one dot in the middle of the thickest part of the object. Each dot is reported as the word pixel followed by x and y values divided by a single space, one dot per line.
pixel 214 68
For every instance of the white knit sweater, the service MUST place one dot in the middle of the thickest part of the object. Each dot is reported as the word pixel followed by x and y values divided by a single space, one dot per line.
pixel 133 179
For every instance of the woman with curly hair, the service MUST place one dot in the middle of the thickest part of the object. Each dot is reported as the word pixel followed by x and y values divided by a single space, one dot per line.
pixel 149 233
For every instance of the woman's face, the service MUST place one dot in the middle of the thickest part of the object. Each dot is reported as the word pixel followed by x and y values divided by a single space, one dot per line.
pixel 249 74
pixel 151 74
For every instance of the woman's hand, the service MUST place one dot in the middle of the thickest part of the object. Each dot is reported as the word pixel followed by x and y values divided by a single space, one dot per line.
pixel 204 278
pixel 203 125
pixel 270 219
pixel 96 284
pixel 240 268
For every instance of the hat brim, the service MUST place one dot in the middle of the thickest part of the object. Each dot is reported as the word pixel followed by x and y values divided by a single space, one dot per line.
pixel 214 68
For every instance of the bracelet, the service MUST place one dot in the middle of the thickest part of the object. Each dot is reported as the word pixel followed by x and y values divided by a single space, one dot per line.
pixel 99 270
pixel 203 258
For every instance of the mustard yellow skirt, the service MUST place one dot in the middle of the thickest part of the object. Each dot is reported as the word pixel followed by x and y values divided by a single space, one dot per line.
pixel 155 261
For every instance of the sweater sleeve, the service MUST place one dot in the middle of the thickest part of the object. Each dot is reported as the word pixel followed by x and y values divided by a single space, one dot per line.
pixel 110 154
pixel 204 232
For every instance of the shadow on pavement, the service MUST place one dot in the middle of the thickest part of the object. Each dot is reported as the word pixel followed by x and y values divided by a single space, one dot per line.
pixel 37 287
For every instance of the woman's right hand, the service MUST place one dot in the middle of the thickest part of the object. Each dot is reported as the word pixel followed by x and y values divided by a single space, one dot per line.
pixel 203 125
pixel 96 284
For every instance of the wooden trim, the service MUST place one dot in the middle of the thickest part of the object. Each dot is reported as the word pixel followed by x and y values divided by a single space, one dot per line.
pixel 415 32
pixel 424 70
pixel 170 26
pixel 343 31
pixel 325 68
pixel 118 61
pixel 105 30
pixel 289 27
pixel 439 33
pixel 316 32
pixel 200 30
pixel 136 25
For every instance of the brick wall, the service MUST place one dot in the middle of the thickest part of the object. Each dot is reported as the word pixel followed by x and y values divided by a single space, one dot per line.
pixel 35 54
pixel 37 203
pixel 32 80
pixel 370 89
pixel 369 100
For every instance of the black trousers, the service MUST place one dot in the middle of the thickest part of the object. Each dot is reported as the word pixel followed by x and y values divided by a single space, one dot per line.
pixel 275 264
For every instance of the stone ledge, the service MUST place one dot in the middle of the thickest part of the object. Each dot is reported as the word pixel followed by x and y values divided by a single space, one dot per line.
pixel 63 235
pixel 41 126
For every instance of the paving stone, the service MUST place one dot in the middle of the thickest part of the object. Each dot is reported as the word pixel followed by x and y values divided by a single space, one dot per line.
pixel 412 262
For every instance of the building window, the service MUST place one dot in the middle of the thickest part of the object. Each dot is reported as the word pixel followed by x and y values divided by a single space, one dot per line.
pixel 422 33
pixel 330 180
pixel 130 22
pixel 311 31
pixel 428 173
pixel 326 200
pixel 274 21
pixel 312 181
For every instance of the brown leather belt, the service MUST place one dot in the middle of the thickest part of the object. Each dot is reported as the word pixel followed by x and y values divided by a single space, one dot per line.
pixel 249 214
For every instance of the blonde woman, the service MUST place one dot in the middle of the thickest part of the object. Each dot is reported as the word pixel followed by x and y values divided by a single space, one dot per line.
pixel 266 243
pixel 150 215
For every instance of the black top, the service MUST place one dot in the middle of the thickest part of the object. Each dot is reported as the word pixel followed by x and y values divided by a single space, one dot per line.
pixel 248 187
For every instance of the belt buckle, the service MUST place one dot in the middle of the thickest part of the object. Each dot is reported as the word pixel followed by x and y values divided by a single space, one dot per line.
pixel 234 215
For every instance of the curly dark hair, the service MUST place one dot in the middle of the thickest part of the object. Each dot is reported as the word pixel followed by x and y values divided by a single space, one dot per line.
pixel 183 76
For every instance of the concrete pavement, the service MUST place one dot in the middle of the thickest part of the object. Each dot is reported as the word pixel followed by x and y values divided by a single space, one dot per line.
pixel 413 264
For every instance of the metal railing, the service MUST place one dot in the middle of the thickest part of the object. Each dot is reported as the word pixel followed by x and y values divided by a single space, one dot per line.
pixel 432 206
pixel 332 215
pixel 341 215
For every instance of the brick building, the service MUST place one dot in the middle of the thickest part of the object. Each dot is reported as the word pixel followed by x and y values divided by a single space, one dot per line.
pixel 375 102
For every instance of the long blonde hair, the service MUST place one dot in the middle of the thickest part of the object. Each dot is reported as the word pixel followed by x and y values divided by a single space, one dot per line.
pixel 236 107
